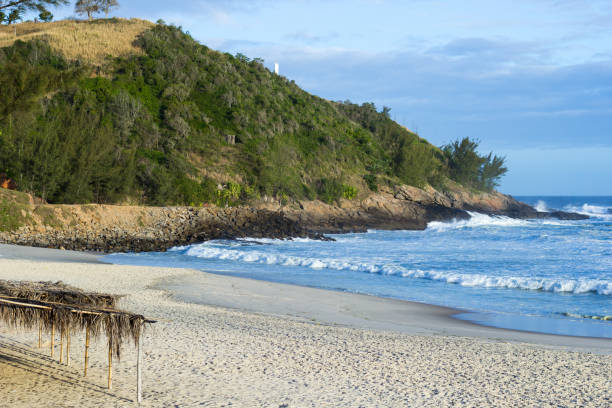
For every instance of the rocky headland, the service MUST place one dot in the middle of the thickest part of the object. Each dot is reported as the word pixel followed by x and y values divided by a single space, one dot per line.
pixel 111 228
pixel 229 130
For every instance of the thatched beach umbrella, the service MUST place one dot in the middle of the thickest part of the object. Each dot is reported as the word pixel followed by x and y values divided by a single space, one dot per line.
pixel 54 305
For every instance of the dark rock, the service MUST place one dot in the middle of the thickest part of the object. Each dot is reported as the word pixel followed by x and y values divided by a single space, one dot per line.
pixel 561 215
pixel 437 212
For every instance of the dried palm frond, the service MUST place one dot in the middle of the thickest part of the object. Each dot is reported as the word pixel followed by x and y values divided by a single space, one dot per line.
pixel 47 305
pixel 56 292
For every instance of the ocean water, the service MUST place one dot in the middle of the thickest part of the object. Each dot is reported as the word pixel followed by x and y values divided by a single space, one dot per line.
pixel 543 275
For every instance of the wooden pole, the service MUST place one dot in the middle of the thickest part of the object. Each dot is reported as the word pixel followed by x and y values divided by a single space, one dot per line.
pixel 139 371
pixel 68 346
pixel 52 339
pixel 62 344
pixel 86 350
pixel 110 364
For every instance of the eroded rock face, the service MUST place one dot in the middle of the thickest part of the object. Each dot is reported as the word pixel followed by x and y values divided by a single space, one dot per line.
pixel 379 211
pixel 493 203
pixel 407 207
pixel 135 229
pixel 112 229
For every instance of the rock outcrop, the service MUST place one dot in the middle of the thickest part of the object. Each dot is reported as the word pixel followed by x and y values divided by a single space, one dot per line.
pixel 493 203
pixel 137 229
pixel 407 207
pixel 108 228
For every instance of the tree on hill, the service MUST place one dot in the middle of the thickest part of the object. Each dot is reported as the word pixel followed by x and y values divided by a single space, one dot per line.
pixel 491 171
pixel 12 11
pixel 107 5
pixel 469 168
pixel 91 7
pixel 27 5
pixel 45 16
pixel 463 160
pixel 88 7
pixel 14 16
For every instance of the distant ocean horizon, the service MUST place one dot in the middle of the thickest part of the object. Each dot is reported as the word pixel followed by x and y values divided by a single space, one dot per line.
pixel 546 276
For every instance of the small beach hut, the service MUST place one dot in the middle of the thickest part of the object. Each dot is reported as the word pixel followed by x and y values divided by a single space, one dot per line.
pixel 52 307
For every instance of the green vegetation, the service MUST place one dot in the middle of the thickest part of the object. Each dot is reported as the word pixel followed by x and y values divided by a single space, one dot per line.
pixel 47 216
pixel 13 206
pixel 372 181
pixel 91 7
pixel 469 168
pixel 349 192
pixel 393 151
pixel 178 123
pixel 12 11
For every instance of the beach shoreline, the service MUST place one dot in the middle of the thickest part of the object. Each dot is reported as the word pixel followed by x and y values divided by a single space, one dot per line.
pixel 340 308
pixel 255 344
pixel 355 310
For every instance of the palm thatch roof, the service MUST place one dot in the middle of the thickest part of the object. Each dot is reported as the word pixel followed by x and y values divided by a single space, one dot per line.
pixel 57 292
pixel 55 305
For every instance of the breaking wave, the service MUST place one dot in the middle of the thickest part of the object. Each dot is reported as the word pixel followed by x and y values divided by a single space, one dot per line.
pixel 576 286
pixel 477 220
pixel 541 206
pixel 595 211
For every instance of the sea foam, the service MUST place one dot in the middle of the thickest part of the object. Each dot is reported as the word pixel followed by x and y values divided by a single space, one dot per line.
pixel 541 206
pixel 477 220
pixel 577 286
pixel 595 211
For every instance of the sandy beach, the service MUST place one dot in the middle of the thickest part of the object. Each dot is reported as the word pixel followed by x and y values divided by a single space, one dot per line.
pixel 251 344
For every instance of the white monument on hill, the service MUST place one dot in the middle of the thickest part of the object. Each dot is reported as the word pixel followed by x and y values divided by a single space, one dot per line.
pixel 276 68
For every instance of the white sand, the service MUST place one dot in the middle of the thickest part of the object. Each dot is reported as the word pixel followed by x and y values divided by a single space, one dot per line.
pixel 200 355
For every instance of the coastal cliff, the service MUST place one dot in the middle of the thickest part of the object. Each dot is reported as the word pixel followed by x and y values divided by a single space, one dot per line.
pixel 410 208
pixel 112 228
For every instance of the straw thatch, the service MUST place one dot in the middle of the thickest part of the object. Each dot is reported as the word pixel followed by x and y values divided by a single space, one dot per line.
pixel 57 292
pixel 45 305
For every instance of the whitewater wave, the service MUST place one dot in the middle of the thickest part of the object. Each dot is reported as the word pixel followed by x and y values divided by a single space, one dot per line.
pixel 576 286
pixel 541 206
pixel 594 211
pixel 477 220
pixel 211 252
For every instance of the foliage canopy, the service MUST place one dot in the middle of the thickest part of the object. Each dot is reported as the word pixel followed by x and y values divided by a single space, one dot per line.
pixel 469 168
pixel 183 124
pixel 91 7
pixel 21 6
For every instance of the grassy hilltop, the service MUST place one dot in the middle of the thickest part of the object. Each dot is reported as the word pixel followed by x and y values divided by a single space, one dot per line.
pixel 89 42
pixel 127 111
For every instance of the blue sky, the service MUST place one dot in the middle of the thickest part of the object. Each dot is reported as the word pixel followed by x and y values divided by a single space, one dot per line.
pixel 532 79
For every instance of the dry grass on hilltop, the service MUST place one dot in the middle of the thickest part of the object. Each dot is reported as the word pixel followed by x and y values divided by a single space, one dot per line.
pixel 91 42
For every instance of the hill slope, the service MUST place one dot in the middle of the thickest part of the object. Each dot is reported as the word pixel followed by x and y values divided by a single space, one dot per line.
pixel 89 42
pixel 166 121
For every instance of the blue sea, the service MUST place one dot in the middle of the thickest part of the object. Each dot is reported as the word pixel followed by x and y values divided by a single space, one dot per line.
pixel 546 276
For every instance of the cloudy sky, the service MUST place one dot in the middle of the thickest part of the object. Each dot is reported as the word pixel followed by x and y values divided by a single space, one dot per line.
pixel 531 79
